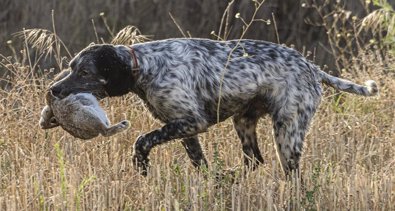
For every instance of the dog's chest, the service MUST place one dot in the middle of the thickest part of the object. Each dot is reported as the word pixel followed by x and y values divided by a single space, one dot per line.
pixel 155 113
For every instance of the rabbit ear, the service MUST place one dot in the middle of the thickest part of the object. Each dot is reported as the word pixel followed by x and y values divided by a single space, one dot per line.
pixel 54 121
pixel 47 119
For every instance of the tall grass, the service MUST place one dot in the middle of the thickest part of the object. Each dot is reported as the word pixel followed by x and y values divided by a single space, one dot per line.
pixel 348 161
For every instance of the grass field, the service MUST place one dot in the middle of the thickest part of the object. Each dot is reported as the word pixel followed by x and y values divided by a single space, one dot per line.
pixel 348 161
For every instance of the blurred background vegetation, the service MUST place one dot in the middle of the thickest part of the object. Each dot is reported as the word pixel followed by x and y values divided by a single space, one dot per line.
pixel 348 157
pixel 304 24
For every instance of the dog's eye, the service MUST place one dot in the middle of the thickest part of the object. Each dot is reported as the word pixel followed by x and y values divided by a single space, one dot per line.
pixel 83 73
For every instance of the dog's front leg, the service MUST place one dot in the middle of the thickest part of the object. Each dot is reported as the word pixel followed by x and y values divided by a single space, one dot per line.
pixel 180 128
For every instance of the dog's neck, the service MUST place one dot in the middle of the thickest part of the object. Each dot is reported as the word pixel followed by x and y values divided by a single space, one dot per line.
pixel 136 71
pixel 135 65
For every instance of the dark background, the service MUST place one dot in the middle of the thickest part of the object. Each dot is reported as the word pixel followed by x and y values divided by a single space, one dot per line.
pixel 301 26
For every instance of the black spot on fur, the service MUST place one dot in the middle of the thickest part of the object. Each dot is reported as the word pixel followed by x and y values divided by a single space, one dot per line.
pixel 272 54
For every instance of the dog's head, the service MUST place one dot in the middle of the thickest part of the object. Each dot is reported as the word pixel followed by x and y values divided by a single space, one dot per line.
pixel 103 70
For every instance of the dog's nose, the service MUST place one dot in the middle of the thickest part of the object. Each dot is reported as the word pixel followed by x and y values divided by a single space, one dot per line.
pixel 56 91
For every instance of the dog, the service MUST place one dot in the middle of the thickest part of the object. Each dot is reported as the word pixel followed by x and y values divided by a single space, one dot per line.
pixel 192 84
pixel 79 114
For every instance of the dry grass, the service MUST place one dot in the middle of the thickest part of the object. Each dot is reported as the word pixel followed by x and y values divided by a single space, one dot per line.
pixel 348 161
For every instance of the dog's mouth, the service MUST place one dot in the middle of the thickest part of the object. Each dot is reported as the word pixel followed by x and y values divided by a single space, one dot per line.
pixel 53 96
pixel 100 95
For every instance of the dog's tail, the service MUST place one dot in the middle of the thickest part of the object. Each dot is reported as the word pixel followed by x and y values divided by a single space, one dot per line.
pixel 370 88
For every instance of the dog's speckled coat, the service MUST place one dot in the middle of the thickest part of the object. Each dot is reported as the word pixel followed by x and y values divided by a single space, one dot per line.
pixel 181 81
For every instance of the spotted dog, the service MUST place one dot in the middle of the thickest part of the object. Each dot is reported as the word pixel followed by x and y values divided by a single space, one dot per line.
pixel 192 84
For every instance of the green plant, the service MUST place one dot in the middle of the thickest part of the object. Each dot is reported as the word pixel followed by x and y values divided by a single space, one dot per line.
pixel 309 200
pixel 382 21
pixel 80 191
pixel 62 171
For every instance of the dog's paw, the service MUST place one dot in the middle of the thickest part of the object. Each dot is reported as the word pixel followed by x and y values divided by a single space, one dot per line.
pixel 140 163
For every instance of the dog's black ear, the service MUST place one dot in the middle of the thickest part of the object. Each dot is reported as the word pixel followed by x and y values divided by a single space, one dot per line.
pixel 115 69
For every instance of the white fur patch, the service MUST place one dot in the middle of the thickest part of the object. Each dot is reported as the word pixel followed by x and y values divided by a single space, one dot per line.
pixel 103 81
pixel 372 87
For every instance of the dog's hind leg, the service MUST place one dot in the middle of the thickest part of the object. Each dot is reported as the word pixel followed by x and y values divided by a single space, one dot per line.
pixel 194 151
pixel 119 127
pixel 289 130
pixel 246 130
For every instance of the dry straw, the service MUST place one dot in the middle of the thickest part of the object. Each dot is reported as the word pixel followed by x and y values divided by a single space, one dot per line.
pixel 347 163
